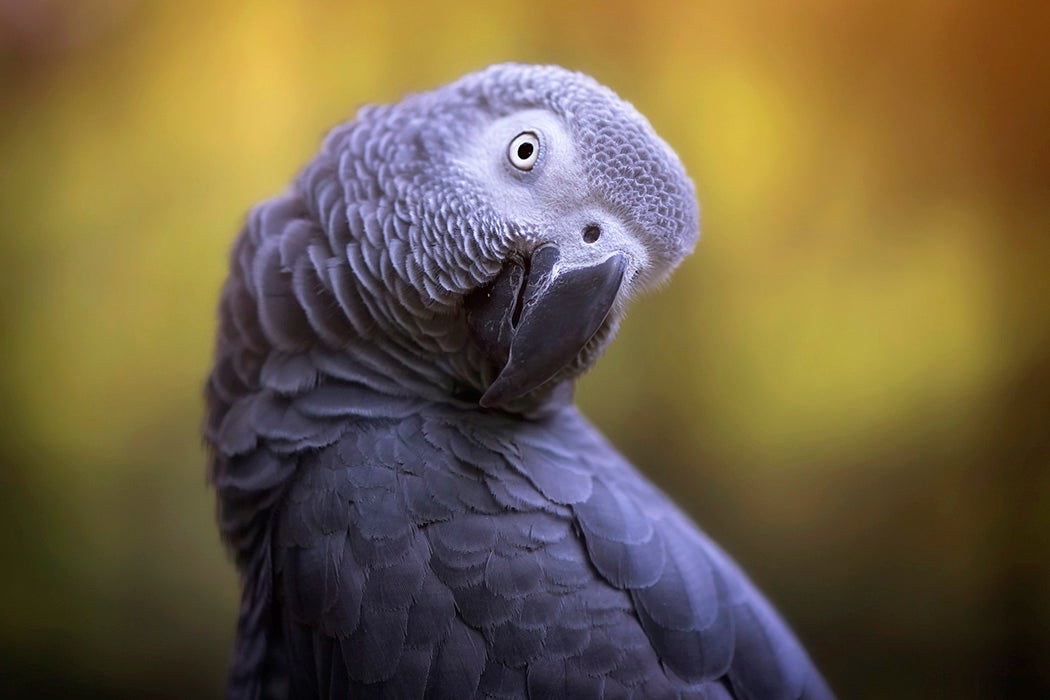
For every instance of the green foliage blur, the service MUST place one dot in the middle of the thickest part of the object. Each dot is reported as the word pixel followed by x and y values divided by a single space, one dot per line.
pixel 848 384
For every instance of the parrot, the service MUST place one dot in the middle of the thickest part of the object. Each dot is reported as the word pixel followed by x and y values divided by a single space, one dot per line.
pixel 414 503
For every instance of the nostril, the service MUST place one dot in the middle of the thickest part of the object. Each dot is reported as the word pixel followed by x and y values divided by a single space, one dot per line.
pixel 591 233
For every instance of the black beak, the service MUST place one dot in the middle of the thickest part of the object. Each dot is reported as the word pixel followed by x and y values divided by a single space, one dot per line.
pixel 533 320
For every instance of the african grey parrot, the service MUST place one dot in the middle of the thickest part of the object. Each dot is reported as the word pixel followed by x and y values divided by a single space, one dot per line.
pixel 415 505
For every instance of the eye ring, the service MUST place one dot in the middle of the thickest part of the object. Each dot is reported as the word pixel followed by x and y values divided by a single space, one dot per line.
pixel 524 150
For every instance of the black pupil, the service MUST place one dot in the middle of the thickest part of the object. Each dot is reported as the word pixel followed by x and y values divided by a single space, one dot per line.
pixel 591 233
pixel 525 151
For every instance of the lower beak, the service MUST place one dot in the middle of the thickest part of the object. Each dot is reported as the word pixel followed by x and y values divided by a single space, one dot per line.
pixel 533 321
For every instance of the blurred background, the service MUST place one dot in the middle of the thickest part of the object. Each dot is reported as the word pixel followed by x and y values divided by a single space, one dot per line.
pixel 848 384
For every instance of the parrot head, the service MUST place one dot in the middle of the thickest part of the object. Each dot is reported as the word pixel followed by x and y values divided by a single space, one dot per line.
pixel 528 202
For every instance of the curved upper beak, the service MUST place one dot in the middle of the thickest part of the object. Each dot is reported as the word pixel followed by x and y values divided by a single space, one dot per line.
pixel 534 318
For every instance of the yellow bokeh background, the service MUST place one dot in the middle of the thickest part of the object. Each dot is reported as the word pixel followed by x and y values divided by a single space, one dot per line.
pixel 847 385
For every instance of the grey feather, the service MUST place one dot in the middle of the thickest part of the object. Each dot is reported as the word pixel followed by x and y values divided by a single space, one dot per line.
pixel 402 531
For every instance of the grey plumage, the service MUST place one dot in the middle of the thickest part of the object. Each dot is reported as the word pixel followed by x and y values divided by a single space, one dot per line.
pixel 415 505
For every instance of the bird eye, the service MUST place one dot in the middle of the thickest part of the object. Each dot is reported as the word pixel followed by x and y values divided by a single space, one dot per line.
pixel 524 150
